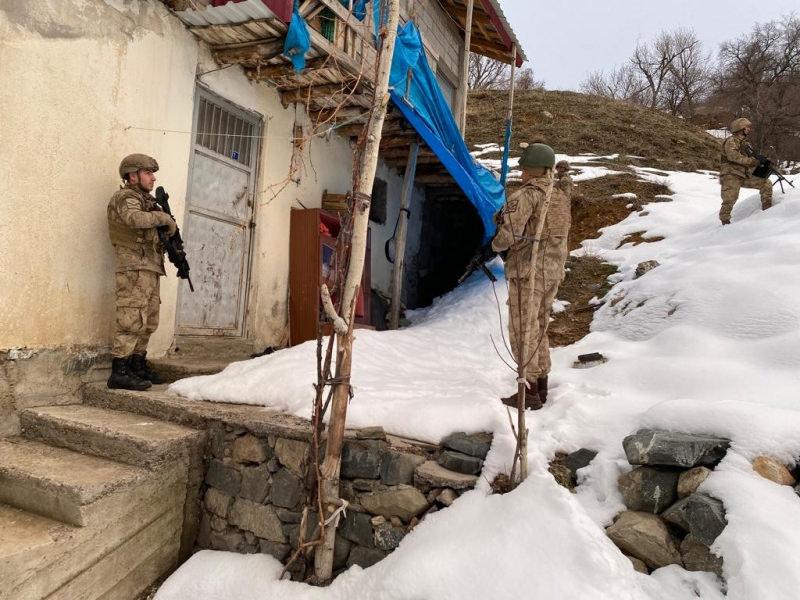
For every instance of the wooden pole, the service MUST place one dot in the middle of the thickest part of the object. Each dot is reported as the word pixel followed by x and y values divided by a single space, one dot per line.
pixel 402 231
pixel 513 82
pixel 329 484
pixel 463 91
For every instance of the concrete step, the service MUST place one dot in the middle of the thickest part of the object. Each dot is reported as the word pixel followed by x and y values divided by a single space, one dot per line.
pixel 59 483
pixel 42 558
pixel 172 368
pixel 120 436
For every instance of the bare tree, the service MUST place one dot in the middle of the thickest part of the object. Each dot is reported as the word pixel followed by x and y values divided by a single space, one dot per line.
pixel 759 76
pixel 525 81
pixel 670 73
pixel 487 74
pixel 620 83
pixel 689 74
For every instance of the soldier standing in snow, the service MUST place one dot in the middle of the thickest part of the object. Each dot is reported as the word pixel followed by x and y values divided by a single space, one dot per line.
pixel 736 170
pixel 563 179
pixel 133 219
pixel 531 294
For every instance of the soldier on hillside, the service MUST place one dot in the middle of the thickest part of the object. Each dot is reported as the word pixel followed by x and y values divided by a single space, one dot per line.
pixel 532 288
pixel 133 219
pixel 736 170
pixel 563 178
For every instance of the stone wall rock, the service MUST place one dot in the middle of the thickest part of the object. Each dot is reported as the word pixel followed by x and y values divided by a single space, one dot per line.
pixel 671 449
pixel 698 514
pixel 690 480
pixel 646 537
pixel 256 486
pixel 649 489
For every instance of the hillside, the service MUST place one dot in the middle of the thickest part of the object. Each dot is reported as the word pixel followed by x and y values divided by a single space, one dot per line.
pixel 574 123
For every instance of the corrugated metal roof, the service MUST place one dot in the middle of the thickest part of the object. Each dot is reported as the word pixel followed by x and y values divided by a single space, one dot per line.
pixel 501 15
pixel 230 13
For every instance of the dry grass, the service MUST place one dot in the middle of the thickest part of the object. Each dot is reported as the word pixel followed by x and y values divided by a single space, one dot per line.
pixel 582 123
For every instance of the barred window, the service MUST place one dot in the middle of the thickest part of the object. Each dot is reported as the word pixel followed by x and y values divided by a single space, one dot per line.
pixel 223 132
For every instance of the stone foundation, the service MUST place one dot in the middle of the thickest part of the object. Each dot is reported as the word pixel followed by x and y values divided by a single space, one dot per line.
pixel 256 486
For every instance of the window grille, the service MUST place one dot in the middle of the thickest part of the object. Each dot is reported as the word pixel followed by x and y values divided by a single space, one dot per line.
pixel 223 132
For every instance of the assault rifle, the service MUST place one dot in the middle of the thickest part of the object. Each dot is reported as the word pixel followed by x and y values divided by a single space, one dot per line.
pixel 174 244
pixel 765 168
pixel 482 256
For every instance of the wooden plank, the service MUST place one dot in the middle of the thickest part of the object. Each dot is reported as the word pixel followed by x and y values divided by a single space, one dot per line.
pixel 462 84
pixel 249 53
pixel 400 241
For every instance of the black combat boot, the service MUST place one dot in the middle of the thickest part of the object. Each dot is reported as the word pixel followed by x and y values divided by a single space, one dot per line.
pixel 122 378
pixel 532 401
pixel 541 386
pixel 138 366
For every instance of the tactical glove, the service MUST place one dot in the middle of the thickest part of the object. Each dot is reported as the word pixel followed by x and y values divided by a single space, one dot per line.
pixel 164 220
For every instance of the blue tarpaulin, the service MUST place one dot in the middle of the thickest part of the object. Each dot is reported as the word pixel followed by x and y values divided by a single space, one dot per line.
pixel 424 106
pixel 297 40
pixel 415 91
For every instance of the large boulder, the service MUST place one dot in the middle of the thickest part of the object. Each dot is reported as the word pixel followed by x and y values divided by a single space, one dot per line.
pixel 649 489
pixel 671 449
pixel 475 444
pixel 698 514
pixel 646 537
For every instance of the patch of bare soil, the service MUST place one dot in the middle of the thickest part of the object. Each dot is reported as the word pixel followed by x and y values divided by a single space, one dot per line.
pixel 594 205
pixel 638 237
pixel 586 278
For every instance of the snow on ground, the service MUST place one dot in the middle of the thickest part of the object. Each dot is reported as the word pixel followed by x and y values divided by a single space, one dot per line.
pixel 709 342
pixel 587 170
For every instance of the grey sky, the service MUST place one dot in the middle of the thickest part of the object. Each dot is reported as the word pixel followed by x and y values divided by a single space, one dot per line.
pixel 566 39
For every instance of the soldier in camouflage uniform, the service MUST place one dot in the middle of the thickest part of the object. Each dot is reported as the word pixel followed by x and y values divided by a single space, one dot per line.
pixel 133 222
pixel 736 170
pixel 531 295
pixel 563 179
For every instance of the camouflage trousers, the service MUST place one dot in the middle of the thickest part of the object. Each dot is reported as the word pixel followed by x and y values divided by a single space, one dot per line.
pixel 529 308
pixel 137 305
pixel 730 186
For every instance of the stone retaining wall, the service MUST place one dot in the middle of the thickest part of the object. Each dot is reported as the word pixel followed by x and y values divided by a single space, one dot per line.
pixel 256 485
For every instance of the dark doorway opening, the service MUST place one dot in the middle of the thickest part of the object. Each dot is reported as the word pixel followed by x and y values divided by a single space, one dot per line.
pixel 451 234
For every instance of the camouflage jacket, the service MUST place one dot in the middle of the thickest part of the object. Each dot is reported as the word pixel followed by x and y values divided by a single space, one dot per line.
pixel 565 184
pixel 132 229
pixel 735 160
pixel 515 233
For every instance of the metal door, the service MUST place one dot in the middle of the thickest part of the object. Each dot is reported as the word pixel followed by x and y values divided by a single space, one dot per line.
pixel 219 220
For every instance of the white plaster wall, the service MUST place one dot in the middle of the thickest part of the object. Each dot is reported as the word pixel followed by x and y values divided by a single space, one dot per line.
pixel 81 85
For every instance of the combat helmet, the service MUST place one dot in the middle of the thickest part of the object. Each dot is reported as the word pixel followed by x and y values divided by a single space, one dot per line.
pixel 137 162
pixel 537 155
pixel 562 164
pixel 739 124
